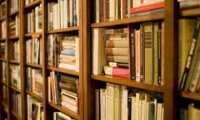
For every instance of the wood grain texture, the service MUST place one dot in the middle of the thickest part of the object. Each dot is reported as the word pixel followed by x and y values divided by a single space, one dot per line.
pixel 62 70
pixel 139 19
pixel 189 12
pixel 190 95
pixel 65 110
pixel 70 29
pixel 170 56
pixel 128 82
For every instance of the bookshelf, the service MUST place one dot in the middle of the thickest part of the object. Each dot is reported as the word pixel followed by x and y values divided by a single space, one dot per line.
pixel 26 50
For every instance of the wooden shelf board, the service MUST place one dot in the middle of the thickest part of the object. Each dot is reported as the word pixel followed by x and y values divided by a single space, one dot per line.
pixel 31 34
pixel 35 3
pixel 65 110
pixel 14 37
pixel 190 95
pixel 16 115
pixel 34 65
pixel 2 19
pixel 126 21
pixel 37 97
pixel 2 39
pixel 4 104
pixel 63 70
pixel 4 83
pixel 190 12
pixel 3 59
pixel 14 13
pixel 15 89
pixel 64 30
pixel 14 62
pixel 128 82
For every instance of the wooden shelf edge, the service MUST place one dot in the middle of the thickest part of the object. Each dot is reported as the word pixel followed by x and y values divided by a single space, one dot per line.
pixel 32 33
pixel 69 29
pixel 34 65
pixel 190 95
pixel 33 4
pixel 2 39
pixel 3 59
pixel 2 19
pixel 35 96
pixel 14 62
pixel 189 12
pixel 64 110
pixel 128 82
pixel 14 13
pixel 15 89
pixel 4 83
pixel 16 115
pixel 63 70
pixel 126 21
pixel 13 37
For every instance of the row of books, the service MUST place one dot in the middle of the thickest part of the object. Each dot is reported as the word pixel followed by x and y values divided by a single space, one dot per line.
pixel 35 82
pixel 33 51
pixel 3 33
pixel 14 26
pixel 14 50
pixel 16 103
pixel 15 76
pixel 3 71
pixel 108 10
pixel 63 51
pixel 189 59
pixel 34 109
pixel 63 90
pixel 14 6
pixel 34 20
pixel 190 113
pixel 2 50
pixel 58 19
pixel 3 10
pixel 61 116
pixel 115 102
pixel 111 48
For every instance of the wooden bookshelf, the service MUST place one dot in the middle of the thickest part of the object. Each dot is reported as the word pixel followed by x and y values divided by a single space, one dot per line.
pixel 126 21
pixel 127 82
pixel 14 62
pixel 33 4
pixel 37 97
pixel 63 70
pixel 3 59
pixel 190 12
pixel 65 110
pixel 34 65
pixel 16 115
pixel 70 29
pixel 4 83
pixel 2 19
pixel 2 39
pixel 190 95
pixel 15 89
pixel 14 38
pixel 14 13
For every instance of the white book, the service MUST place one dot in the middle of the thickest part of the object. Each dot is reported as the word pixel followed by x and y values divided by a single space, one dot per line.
pixel 117 107
pixel 77 54
pixel 98 46
pixel 110 101
pixel 124 103
pixel 77 12
pixel 103 104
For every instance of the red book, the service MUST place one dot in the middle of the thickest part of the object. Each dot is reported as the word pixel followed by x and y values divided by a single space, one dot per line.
pixel 116 71
pixel 147 7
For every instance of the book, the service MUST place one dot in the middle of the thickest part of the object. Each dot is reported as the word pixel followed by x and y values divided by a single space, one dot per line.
pixel 116 71
pixel 148 7
pixel 191 59
pixel 186 30
pixel 98 46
